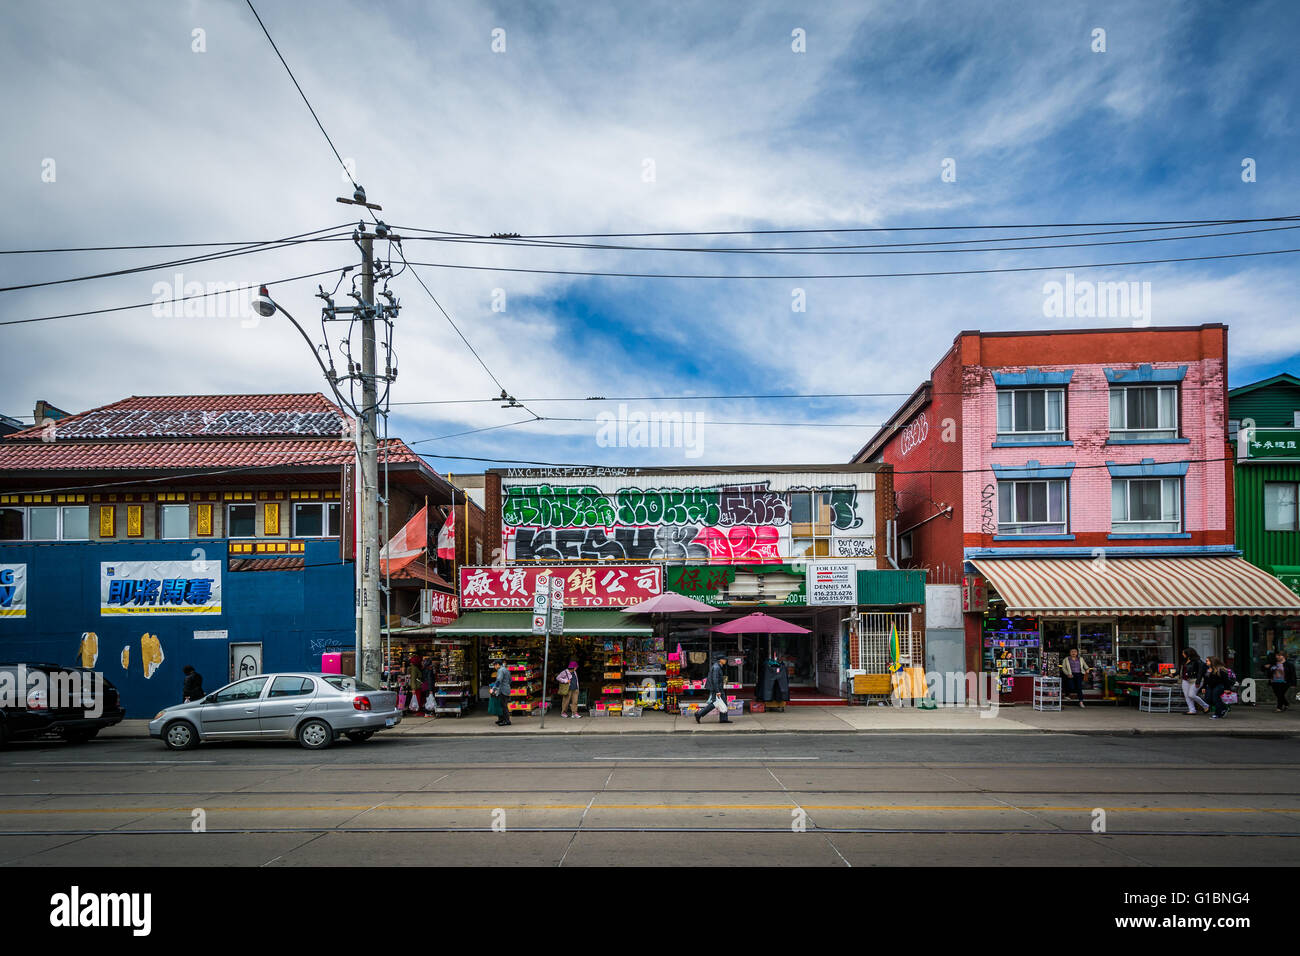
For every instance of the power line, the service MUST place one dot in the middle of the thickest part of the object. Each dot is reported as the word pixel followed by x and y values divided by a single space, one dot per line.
pixel 1072 389
pixel 183 298
pixel 862 275
pixel 165 245
pixel 877 249
pixel 298 86
pixel 191 260
pixel 872 229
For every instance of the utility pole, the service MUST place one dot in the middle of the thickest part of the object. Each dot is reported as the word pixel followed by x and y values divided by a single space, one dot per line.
pixel 368 630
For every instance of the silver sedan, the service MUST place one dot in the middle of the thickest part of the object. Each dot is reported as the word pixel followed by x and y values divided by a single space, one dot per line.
pixel 313 709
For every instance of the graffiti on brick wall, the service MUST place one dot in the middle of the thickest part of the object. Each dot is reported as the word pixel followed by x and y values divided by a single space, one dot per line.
pixel 744 523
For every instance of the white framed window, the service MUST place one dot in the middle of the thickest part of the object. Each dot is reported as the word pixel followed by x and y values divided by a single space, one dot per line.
pixel 1280 511
pixel 316 520
pixel 1032 507
pixel 241 521
pixel 1146 505
pixel 174 521
pixel 1031 414
pixel 1144 413
pixel 51 523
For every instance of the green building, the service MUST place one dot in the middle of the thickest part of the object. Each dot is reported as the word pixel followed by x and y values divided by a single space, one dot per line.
pixel 1264 418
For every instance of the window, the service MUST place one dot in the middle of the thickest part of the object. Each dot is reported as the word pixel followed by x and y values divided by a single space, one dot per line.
pixel 11 524
pixel 249 689
pixel 347 684
pixel 241 521
pixel 291 687
pixel 316 520
pixel 45 524
pixel 1148 413
pixel 174 521
pixel 1280 506
pixel 1146 505
pixel 1031 414
pixel 905 547
pixel 1032 507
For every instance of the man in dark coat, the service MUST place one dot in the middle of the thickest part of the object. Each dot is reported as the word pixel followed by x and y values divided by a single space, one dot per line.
pixel 716 686
pixel 193 688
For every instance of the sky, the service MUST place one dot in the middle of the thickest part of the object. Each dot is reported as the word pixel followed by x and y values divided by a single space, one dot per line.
pixel 140 123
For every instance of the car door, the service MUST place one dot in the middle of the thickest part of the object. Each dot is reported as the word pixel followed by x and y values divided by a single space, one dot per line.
pixel 284 704
pixel 233 710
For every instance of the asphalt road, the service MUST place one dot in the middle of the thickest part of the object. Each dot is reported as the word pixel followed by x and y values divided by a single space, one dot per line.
pixel 788 799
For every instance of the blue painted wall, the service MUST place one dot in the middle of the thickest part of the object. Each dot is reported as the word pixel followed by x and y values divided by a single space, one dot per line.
pixel 295 615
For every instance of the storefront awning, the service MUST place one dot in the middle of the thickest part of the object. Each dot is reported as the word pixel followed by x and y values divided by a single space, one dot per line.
pixel 1076 587
pixel 577 623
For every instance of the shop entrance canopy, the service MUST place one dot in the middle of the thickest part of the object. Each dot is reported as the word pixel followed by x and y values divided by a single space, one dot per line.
pixel 1080 587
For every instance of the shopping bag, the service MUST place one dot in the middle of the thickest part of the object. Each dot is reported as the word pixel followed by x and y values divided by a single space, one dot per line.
pixel 401 702
pixel 429 704
pixel 413 704
pixel 1229 697
pixel 721 704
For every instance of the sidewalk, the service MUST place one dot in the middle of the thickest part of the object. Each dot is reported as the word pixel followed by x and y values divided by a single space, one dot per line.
pixel 1096 719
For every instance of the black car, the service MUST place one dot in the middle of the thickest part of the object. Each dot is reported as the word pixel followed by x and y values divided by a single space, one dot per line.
pixel 26 711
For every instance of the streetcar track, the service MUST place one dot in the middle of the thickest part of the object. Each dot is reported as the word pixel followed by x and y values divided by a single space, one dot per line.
pixel 576 830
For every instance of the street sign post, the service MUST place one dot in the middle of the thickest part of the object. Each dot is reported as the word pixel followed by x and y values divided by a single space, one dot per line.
pixel 552 616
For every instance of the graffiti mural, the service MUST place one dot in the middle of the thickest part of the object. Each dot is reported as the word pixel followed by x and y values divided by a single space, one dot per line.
pixel 746 522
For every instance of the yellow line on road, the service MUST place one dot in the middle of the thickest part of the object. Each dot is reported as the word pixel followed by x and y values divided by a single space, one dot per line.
pixel 888 808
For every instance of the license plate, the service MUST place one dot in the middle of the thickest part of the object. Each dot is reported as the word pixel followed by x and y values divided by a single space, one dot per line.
pixel 390 721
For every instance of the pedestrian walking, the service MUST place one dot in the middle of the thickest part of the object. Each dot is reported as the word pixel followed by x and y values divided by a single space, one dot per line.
pixel 1073 669
pixel 415 675
pixel 1218 681
pixel 716 686
pixel 567 680
pixel 499 696
pixel 193 686
pixel 1191 674
pixel 1281 677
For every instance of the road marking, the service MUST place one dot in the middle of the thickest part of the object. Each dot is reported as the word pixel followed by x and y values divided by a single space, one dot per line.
pixel 675 759
pixel 898 808
pixel 100 763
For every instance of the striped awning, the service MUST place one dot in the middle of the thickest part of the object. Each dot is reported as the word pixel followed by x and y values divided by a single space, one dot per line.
pixel 1076 587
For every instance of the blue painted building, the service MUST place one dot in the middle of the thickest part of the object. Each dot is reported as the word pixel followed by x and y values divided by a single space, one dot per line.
pixel 284 619
pixel 210 530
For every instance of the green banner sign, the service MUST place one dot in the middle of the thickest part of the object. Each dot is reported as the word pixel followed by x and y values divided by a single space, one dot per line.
pixel 715 584
pixel 1274 443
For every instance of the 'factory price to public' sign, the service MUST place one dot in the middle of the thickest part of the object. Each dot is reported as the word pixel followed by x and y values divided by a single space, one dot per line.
pixel 603 585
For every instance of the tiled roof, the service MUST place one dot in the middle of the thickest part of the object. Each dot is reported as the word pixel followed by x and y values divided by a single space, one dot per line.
pixel 196 416
pixel 62 455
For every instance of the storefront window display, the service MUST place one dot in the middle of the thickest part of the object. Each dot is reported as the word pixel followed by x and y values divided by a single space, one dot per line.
pixel 1011 648
pixel 1273 634
pixel 1146 646
pixel 1095 640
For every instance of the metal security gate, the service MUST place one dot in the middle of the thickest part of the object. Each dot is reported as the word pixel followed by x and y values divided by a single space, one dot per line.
pixel 873 641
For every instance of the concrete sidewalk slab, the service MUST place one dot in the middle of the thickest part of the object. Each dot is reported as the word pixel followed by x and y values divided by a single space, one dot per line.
pixel 1095 719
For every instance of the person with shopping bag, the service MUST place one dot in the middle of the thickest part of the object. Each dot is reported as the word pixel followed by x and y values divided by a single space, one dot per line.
pixel 499 696
pixel 567 680
pixel 716 686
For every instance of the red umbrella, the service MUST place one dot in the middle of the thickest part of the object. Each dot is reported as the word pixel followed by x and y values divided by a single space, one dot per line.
pixel 759 623
pixel 670 603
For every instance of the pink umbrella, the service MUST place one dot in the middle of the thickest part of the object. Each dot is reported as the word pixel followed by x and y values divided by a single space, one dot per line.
pixel 759 623
pixel 670 602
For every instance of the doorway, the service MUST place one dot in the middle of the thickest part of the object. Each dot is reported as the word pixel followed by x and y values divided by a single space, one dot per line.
pixel 245 660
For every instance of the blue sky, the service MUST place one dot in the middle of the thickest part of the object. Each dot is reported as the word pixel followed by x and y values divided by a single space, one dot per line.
pixel 154 141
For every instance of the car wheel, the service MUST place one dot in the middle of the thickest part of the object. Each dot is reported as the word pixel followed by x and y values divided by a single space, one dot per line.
pixel 181 735
pixel 79 736
pixel 359 736
pixel 315 735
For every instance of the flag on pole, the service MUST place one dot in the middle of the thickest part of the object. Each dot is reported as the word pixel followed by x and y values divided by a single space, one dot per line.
pixel 447 537
pixel 411 540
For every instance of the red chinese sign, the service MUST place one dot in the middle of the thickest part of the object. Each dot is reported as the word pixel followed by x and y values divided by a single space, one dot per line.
pixel 438 608
pixel 600 585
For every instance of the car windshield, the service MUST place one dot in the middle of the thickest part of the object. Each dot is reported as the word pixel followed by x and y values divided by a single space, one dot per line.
pixel 348 684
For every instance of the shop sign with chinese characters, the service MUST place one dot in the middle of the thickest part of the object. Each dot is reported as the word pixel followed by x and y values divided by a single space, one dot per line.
pixel 1273 443
pixel 159 587
pixel 594 586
